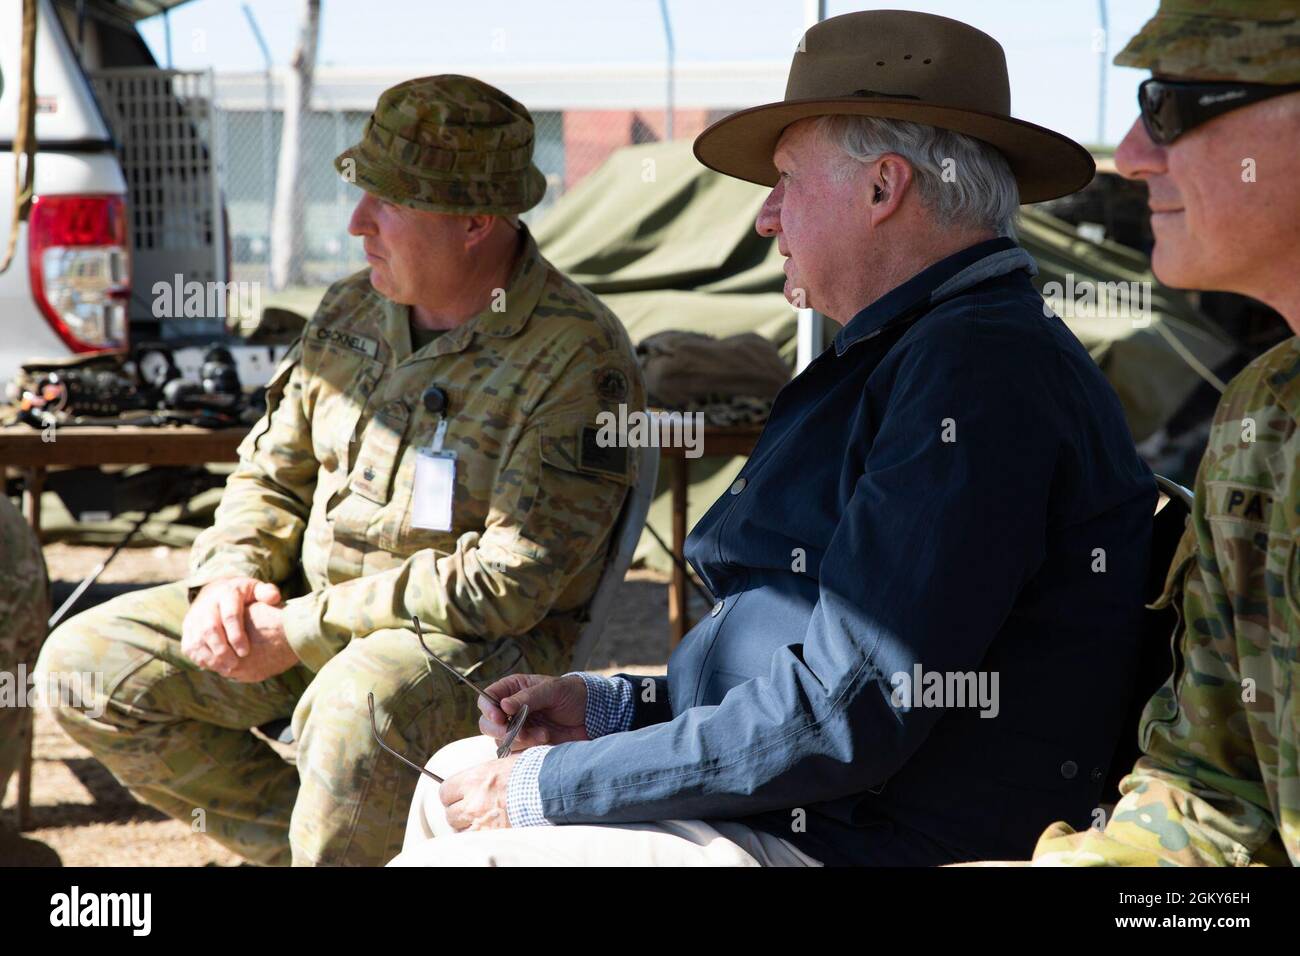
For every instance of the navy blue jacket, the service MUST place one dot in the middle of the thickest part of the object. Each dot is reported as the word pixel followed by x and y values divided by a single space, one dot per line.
pixel 951 487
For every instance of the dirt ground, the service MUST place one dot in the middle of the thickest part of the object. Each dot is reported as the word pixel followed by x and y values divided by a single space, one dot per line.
pixel 83 817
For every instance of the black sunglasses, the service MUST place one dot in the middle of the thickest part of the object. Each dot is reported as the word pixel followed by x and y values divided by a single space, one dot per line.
pixel 1170 108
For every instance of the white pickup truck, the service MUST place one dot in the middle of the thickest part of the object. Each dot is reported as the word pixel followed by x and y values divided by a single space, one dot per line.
pixel 116 209
pixel 68 287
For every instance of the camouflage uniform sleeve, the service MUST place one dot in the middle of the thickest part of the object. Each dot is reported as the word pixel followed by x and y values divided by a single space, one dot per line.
pixel 24 588
pixel 258 527
pixel 24 610
pixel 1199 795
pixel 549 518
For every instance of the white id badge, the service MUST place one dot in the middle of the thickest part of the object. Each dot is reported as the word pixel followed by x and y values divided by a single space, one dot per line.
pixel 435 486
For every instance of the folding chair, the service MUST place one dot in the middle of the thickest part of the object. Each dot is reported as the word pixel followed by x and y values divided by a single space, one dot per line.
pixel 1155 663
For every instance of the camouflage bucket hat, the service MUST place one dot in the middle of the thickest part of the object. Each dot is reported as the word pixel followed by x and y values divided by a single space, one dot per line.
pixel 450 144
pixel 1247 41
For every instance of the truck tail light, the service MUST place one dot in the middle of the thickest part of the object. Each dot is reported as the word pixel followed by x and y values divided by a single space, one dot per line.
pixel 81 268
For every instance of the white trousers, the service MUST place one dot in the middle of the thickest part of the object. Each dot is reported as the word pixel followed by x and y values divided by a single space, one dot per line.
pixel 430 841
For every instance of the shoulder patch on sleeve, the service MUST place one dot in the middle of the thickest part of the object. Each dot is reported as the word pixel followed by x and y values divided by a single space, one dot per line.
pixel 604 459
pixel 585 448
pixel 611 384
pixel 1236 500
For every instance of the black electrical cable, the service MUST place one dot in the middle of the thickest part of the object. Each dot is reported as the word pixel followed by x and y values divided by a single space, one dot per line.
pixel 170 496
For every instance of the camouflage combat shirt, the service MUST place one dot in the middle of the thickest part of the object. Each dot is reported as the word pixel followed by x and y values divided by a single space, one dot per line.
pixel 1218 783
pixel 326 478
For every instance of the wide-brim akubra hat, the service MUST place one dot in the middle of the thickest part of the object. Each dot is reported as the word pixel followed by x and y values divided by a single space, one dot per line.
pixel 895 64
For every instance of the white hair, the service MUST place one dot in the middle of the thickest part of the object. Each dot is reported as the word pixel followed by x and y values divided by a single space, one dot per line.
pixel 961 180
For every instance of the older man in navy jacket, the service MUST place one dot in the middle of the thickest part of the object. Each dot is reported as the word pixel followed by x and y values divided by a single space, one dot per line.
pixel 929 572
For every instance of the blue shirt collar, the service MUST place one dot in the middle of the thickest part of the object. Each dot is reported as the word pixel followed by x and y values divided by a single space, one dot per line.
pixel 932 285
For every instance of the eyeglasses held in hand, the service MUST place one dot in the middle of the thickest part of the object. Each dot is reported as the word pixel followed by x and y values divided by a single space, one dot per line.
pixel 516 722
pixel 512 729
pixel 374 729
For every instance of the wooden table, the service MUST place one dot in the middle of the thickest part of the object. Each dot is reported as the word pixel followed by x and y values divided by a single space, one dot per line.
pixel 28 450
pixel 719 442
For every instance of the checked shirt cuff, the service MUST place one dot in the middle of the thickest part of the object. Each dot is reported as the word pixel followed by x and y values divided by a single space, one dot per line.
pixel 524 793
pixel 610 707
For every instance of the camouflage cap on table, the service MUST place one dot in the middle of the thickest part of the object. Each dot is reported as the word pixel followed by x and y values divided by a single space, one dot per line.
pixel 1250 41
pixel 450 144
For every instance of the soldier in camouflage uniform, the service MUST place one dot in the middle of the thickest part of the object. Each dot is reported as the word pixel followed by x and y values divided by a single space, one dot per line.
pixel 24 609
pixel 1218 783
pixel 408 464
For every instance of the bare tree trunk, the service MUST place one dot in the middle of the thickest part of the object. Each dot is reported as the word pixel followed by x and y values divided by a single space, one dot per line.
pixel 288 228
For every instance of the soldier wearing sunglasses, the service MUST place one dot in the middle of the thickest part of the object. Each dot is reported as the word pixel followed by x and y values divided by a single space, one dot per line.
pixel 1218 145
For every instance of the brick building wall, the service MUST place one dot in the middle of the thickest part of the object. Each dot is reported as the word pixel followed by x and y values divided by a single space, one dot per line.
pixel 591 135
